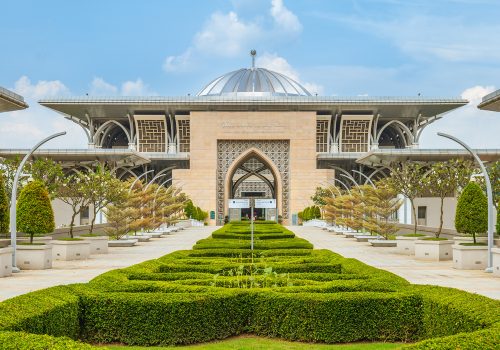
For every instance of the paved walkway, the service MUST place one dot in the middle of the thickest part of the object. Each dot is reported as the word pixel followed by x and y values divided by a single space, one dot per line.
pixel 81 271
pixel 419 272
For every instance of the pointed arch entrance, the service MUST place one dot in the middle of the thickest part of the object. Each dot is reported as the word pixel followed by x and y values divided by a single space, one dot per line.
pixel 257 167
pixel 253 175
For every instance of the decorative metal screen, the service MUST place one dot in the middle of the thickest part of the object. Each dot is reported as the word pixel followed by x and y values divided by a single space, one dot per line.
pixel 184 132
pixel 355 133
pixel 151 133
pixel 322 136
pixel 278 152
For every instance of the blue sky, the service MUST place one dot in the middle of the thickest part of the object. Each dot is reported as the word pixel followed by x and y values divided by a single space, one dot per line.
pixel 382 48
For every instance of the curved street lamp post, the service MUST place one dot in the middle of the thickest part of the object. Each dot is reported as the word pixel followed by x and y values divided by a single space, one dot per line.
pixel 13 198
pixel 489 193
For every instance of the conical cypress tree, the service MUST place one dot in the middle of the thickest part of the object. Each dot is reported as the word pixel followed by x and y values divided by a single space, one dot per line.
pixel 4 207
pixel 471 216
pixel 34 210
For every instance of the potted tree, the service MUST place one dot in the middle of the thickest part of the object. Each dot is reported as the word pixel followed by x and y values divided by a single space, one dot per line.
pixel 34 217
pixel 73 191
pixel 119 218
pixel 471 218
pixel 5 251
pixel 102 189
pixel 381 203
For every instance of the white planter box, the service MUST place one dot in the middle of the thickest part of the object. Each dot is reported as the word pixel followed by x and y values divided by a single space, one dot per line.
pixel 42 239
pixel 469 239
pixel 470 257
pixel 406 245
pixel 434 250
pixel 496 261
pixel 122 242
pixel 6 261
pixel 70 250
pixel 34 257
pixel 98 244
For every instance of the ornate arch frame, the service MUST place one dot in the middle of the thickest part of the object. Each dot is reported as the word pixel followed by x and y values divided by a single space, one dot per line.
pixel 230 155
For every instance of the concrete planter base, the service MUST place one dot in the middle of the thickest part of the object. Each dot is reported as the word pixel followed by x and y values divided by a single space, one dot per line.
pixel 469 239
pixel 34 257
pixel 351 234
pixel 434 250
pixel 470 257
pixel 382 242
pixel 70 250
pixel 98 244
pixel 406 245
pixel 6 261
pixel 496 261
pixel 122 242
pixel 41 239
pixel 139 238
pixel 366 238
pixel 154 234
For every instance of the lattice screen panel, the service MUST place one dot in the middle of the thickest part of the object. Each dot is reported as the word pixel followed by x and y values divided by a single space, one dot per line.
pixel 322 135
pixel 184 133
pixel 151 133
pixel 355 133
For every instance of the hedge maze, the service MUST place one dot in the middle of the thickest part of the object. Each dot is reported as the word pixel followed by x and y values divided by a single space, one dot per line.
pixel 220 288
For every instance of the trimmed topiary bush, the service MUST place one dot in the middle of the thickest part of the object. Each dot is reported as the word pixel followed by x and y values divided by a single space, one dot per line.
pixel 34 211
pixel 471 216
pixel 4 207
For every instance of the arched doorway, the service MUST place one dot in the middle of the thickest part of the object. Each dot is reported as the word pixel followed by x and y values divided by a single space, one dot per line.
pixel 253 176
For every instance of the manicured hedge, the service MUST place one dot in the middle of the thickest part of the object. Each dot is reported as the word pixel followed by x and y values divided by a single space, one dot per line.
pixel 52 311
pixel 28 341
pixel 203 294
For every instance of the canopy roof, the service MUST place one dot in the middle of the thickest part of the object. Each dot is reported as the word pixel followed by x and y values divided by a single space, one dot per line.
pixel 383 157
pixel 491 102
pixel 105 108
pixel 10 101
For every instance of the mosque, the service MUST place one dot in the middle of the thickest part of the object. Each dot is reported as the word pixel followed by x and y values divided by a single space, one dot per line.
pixel 251 133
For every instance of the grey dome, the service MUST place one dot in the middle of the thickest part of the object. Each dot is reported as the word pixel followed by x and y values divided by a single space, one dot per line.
pixel 253 82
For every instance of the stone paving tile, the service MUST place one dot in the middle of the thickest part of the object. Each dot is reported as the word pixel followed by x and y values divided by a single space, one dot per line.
pixel 81 271
pixel 419 272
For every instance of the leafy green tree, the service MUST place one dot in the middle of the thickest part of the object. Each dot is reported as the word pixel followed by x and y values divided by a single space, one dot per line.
pixel 382 203
pixel 46 171
pixel 34 211
pixel 189 209
pixel 4 207
pixel 319 196
pixel 445 179
pixel 316 212
pixel 73 190
pixel 471 216
pixel 102 189
pixel 406 178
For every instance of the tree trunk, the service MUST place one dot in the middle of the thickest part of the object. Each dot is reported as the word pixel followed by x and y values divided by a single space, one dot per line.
pixel 474 237
pixel 440 219
pixel 414 216
pixel 31 238
pixel 72 223
pixel 92 222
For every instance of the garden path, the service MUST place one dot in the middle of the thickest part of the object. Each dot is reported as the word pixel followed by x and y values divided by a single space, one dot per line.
pixel 439 273
pixel 81 271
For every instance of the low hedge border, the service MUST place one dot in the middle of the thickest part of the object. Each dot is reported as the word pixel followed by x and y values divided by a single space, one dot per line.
pixel 173 300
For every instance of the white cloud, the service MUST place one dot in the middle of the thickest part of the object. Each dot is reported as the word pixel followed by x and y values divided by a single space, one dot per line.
pixel 136 88
pixel 41 89
pixel 99 87
pixel 228 35
pixel 284 18
pixel 477 128
pixel 426 37
pixel 279 64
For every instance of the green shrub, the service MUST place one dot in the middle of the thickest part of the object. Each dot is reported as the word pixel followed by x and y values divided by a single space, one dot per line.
pixel 27 341
pixel 4 207
pixel 34 211
pixel 471 216
pixel 52 311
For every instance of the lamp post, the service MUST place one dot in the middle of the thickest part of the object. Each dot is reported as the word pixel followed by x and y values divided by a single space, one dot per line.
pixel 13 198
pixel 489 193
pixel 138 178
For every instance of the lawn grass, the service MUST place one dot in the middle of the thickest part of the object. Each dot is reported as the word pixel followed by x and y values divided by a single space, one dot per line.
pixel 250 342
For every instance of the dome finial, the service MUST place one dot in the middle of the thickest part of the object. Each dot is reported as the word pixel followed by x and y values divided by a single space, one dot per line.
pixel 253 53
